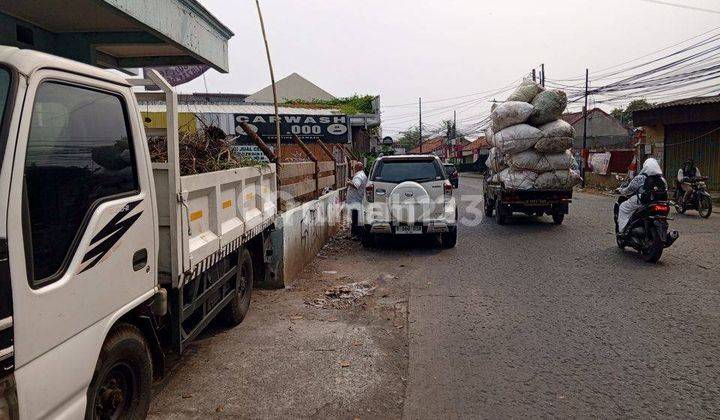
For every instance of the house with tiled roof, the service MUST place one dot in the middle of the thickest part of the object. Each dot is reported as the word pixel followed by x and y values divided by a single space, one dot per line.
pixel 476 150
pixel 442 147
pixel 605 132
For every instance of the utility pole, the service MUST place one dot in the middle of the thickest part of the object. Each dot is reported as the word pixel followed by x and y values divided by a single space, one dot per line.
pixel 584 143
pixel 533 74
pixel 454 124
pixel 420 114
pixel 272 80
pixel 542 74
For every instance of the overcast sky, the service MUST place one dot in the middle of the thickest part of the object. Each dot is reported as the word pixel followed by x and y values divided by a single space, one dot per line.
pixel 405 49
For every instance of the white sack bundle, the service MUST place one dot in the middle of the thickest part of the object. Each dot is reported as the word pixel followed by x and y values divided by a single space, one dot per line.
pixel 496 160
pixel 518 180
pixel 557 128
pixel 549 105
pixel 532 160
pixel 516 138
pixel 526 92
pixel 510 113
pixel 490 136
pixel 557 180
pixel 553 144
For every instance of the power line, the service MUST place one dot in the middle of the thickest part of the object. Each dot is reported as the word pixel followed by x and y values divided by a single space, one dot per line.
pixel 682 6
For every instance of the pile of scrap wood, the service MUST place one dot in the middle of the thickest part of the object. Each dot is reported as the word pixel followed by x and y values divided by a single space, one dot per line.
pixel 201 152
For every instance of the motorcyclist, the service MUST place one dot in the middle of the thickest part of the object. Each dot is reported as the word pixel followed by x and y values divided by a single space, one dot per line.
pixel 684 177
pixel 634 189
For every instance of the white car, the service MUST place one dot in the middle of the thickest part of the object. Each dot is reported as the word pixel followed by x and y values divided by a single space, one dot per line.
pixel 409 195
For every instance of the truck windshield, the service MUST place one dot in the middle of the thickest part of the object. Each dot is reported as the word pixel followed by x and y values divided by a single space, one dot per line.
pixel 412 170
pixel 4 94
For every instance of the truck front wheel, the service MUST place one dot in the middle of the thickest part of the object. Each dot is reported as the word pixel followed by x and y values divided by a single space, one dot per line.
pixel 121 384
pixel 235 311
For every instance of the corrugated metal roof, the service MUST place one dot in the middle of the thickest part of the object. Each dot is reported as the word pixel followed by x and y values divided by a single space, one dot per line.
pixel 698 100
pixel 236 109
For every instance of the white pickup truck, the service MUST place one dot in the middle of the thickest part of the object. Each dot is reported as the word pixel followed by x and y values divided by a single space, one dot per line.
pixel 109 261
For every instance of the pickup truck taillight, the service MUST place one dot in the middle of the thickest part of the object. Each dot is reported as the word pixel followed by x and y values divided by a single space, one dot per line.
pixel 370 193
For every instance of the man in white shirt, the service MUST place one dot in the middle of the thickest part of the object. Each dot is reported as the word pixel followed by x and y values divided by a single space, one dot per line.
pixel 355 192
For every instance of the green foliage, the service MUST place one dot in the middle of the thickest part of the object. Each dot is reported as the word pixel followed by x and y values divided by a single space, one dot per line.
pixel 356 104
pixel 409 138
pixel 625 115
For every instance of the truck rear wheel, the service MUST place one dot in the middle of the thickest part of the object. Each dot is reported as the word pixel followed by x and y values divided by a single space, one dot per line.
pixel 121 384
pixel 558 217
pixel 500 213
pixel 235 311
pixel 488 204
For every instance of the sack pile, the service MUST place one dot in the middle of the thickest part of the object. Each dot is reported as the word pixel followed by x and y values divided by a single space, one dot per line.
pixel 530 143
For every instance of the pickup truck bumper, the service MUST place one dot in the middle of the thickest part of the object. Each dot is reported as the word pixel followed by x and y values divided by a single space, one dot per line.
pixel 430 226
pixel 380 221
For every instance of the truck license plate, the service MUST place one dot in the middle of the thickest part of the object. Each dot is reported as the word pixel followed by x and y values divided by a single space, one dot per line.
pixel 408 230
pixel 536 202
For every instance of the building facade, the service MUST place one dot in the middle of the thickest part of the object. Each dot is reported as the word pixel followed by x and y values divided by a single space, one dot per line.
pixel 673 132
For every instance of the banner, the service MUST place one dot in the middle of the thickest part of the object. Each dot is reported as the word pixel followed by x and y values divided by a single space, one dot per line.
pixel 177 75
pixel 309 128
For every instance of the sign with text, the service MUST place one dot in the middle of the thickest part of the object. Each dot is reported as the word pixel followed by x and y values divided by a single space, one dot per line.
pixel 309 128
pixel 251 151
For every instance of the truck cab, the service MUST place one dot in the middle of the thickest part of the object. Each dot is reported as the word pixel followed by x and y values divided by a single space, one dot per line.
pixel 88 233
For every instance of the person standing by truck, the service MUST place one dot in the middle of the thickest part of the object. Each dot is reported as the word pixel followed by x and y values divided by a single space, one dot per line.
pixel 356 189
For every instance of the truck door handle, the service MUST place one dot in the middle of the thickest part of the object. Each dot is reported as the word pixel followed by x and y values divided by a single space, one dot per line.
pixel 139 259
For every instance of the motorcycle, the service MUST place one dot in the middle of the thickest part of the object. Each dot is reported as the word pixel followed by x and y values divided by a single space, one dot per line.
pixel 647 230
pixel 700 199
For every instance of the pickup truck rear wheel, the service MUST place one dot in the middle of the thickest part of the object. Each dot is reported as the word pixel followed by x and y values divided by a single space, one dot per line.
pixel 235 311
pixel 558 217
pixel 121 384
pixel 449 239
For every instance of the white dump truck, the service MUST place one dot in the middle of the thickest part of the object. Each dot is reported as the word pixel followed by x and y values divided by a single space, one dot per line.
pixel 108 262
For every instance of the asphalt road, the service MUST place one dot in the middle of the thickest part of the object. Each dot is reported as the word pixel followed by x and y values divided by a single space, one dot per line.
pixel 532 319
pixel 524 320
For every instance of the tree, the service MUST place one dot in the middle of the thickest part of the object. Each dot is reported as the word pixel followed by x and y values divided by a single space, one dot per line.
pixel 410 138
pixel 625 115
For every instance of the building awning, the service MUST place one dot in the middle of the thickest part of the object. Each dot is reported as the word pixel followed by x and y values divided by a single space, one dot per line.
pixel 119 33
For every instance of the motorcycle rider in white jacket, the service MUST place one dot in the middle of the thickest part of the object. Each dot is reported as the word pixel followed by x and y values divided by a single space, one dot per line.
pixel 628 207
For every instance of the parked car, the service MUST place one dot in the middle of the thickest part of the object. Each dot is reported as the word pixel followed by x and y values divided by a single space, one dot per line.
pixel 409 195
pixel 452 174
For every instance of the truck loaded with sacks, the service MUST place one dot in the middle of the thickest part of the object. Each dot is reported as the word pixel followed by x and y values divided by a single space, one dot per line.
pixel 530 165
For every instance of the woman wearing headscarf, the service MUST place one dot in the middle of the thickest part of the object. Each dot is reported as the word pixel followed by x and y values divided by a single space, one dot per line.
pixel 635 189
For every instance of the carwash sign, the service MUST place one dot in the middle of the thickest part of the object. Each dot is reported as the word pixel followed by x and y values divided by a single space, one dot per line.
pixel 309 128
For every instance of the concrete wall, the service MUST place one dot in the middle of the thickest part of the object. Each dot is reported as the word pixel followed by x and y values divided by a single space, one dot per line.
pixel 655 139
pixel 306 228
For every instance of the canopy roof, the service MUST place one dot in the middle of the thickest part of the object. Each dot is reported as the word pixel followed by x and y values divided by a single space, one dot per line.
pixel 119 33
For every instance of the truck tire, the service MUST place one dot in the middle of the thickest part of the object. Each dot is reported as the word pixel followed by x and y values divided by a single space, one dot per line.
pixel 368 239
pixel 121 384
pixel 488 204
pixel 235 311
pixel 449 239
pixel 500 215
pixel 558 217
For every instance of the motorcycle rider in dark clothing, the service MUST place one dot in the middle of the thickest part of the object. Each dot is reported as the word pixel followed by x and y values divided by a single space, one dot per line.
pixel 685 175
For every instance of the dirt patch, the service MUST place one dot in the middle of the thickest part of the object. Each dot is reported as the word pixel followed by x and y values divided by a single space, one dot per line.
pixel 333 344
